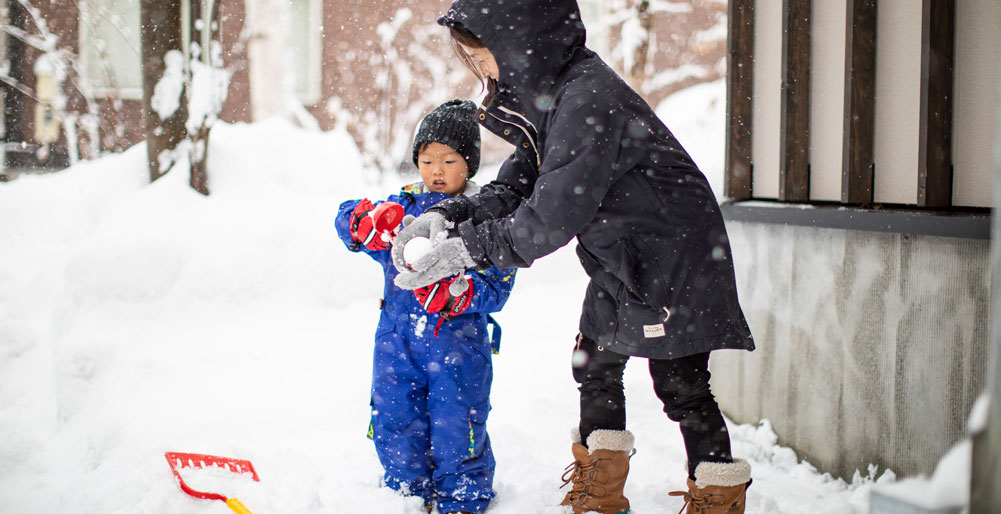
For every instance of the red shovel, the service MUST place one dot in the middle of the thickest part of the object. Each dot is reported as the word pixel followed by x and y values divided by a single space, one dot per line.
pixel 195 460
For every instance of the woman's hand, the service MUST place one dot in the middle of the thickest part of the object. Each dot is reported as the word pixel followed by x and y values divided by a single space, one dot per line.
pixel 446 258
pixel 429 225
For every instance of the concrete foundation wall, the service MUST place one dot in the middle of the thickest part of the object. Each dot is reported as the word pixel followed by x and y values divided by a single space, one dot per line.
pixel 872 346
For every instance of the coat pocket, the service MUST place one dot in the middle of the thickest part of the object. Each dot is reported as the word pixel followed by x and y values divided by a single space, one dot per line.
pixel 644 330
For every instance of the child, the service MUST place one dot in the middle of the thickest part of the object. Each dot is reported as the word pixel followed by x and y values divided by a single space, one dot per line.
pixel 432 371
pixel 593 161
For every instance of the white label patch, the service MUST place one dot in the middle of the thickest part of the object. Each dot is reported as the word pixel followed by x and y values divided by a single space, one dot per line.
pixel 650 331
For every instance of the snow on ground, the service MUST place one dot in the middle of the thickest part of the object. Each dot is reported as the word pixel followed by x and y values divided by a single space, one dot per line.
pixel 141 318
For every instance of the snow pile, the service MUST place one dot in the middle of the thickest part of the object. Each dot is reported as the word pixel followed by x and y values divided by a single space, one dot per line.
pixel 697 117
pixel 142 318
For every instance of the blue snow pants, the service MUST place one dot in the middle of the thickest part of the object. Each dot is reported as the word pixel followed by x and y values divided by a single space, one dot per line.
pixel 417 378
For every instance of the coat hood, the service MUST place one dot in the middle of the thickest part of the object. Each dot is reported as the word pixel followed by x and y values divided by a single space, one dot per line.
pixel 533 42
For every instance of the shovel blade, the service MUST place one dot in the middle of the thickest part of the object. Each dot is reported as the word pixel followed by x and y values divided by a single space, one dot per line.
pixel 178 460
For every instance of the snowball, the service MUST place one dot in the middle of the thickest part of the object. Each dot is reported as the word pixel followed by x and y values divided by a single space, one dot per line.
pixel 415 249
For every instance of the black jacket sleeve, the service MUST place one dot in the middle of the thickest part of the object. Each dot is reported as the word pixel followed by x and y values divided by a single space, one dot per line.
pixel 497 199
pixel 582 159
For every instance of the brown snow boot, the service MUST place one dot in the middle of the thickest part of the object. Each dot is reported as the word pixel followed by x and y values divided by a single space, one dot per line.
pixel 598 472
pixel 719 488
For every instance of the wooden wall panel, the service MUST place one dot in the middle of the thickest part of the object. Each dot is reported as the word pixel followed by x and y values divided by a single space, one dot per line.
pixel 860 80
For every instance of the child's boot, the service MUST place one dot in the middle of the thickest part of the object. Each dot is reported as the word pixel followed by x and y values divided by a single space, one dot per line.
pixel 598 472
pixel 719 488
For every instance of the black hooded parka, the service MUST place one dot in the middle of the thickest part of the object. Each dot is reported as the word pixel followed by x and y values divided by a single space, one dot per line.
pixel 592 160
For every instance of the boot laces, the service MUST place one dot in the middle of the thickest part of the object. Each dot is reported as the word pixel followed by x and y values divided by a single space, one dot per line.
pixel 698 503
pixel 577 473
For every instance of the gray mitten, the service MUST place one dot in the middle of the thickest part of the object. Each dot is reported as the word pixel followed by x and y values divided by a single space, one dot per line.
pixel 446 258
pixel 431 225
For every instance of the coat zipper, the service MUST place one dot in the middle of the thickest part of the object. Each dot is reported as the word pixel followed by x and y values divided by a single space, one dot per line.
pixel 538 160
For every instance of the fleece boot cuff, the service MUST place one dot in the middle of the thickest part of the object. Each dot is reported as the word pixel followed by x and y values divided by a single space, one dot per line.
pixel 614 440
pixel 722 474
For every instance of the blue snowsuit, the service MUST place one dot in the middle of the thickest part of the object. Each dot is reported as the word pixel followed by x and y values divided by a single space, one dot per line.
pixel 431 394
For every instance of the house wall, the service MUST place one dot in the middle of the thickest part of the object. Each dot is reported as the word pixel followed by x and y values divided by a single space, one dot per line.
pixel 872 346
pixel 897 99
pixel 985 494
pixel 827 98
pixel 120 118
pixel 978 73
pixel 767 99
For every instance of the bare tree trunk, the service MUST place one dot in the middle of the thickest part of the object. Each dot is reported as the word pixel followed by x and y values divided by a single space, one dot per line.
pixel 161 33
pixel 4 65
pixel 204 29
pixel 637 72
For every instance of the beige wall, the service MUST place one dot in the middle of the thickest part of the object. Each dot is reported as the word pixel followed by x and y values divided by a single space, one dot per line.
pixel 827 98
pixel 978 74
pixel 767 98
pixel 872 346
pixel 898 101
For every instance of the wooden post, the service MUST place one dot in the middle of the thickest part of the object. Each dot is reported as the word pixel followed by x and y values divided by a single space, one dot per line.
pixel 794 172
pixel 739 107
pixel 938 32
pixel 160 33
pixel 4 63
pixel 860 113
pixel 203 30
pixel 18 101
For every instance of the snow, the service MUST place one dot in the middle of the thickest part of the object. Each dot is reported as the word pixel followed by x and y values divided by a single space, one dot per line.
pixel 138 318
pixel 167 92
pixel 948 487
pixel 208 90
pixel 416 248
pixel 980 414
pixel 697 117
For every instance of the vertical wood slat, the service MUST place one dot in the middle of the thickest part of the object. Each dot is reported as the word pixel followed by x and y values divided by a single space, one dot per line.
pixel 860 113
pixel 794 172
pixel 938 20
pixel 739 88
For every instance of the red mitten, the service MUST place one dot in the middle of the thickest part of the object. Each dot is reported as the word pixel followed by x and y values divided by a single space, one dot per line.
pixel 437 297
pixel 375 226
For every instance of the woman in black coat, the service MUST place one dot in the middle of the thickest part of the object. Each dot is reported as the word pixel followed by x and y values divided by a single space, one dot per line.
pixel 593 161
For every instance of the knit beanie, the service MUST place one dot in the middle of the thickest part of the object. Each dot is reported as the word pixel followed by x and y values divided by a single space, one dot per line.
pixel 453 124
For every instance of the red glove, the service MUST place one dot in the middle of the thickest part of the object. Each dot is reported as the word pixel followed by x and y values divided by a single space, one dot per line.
pixel 437 297
pixel 375 226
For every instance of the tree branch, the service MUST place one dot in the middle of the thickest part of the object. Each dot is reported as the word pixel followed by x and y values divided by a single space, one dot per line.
pixel 21 88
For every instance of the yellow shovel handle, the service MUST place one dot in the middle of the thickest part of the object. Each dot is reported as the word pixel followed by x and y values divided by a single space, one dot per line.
pixel 237 507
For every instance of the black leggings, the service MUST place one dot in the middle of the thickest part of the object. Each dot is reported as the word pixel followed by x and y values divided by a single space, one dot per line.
pixel 682 384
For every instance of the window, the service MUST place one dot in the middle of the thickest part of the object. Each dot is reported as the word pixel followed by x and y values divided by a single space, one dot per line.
pixel 305 42
pixel 110 47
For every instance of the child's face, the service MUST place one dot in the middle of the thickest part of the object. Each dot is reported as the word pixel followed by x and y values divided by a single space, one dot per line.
pixel 442 169
pixel 484 60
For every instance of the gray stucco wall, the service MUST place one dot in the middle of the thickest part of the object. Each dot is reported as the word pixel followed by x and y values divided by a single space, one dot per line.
pixel 872 346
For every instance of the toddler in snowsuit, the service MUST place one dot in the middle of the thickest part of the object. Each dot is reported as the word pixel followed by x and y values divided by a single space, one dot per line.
pixel 432 369
pixel 593 162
